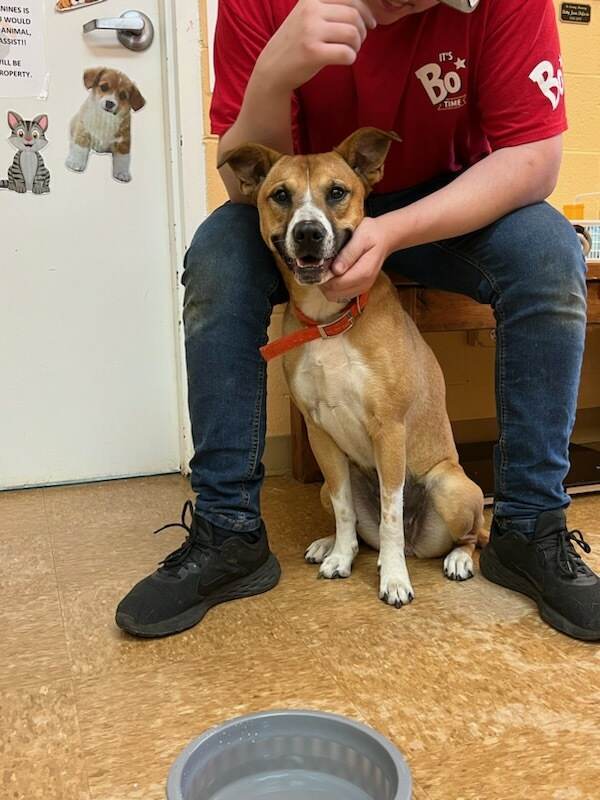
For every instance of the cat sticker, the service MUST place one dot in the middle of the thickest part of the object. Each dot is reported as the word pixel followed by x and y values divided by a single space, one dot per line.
pixel 27 173
pixel 71 5
pixel 103 123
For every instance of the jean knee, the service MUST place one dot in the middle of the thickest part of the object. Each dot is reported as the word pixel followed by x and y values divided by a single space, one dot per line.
pixel 227 263
pixel 546 259
pixel 219 243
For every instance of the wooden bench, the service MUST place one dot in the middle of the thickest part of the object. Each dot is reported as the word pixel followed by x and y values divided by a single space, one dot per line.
pixel 432 310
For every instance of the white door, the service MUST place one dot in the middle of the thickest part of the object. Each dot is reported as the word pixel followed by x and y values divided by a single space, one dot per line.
pixel 89 346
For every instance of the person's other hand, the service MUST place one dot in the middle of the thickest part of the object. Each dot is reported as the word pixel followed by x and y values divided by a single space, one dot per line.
pixel 316 33
pixel 358 264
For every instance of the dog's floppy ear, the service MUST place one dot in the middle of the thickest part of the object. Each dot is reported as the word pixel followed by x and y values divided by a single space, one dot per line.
pixel 136 98
pixel 91 77
pixel 365 151
pixel 251 164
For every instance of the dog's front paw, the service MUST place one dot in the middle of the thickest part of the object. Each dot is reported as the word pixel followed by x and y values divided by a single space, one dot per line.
pixel 318 551
pixel 458 565
pixel 337 565
pixel 396 591
pixel 123 177
pixel 77 159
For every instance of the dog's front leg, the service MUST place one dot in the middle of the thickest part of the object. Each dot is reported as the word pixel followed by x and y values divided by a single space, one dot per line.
pixel 121 152
pixel 390 455
pixel 335 468
pixel 79 151
pixel 121 165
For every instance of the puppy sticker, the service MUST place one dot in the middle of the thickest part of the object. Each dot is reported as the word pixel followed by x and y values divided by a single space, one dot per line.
pixel 103 123
pixel 71 5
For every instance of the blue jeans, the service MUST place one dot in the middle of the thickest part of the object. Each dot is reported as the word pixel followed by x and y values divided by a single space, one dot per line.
pixel 527 265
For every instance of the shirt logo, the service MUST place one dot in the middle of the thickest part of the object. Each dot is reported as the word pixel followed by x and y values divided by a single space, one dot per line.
pixel 552 86
pixel 444 87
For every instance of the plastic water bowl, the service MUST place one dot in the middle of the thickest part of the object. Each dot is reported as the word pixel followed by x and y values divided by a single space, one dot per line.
pixel 290 755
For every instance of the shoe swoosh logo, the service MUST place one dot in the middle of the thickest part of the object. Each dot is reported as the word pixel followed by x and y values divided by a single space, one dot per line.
pixel 222 577
pixel 528 577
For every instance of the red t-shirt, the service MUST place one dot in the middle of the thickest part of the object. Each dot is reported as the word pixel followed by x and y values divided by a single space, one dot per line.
pixel 453 86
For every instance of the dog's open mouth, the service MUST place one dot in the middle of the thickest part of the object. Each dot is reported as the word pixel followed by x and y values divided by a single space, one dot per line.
pixel 307 270
pixel 312 272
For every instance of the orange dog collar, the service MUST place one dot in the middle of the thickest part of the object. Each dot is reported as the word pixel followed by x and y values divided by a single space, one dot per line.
pixel 314 331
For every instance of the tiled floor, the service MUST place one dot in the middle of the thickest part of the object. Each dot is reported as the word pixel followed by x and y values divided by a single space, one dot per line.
pixel 485 700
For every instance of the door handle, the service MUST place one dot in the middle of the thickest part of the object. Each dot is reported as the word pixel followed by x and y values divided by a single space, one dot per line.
pixel 134 29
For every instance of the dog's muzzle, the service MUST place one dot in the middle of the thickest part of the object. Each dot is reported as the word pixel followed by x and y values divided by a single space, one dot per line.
pixel 312 251
pixel 308 259
pixel 309 239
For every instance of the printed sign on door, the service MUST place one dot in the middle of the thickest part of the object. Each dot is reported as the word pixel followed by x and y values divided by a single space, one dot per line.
pixel 23 71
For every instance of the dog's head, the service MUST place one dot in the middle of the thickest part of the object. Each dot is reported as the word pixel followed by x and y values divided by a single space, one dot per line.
pixel 114 92
pixel 310 205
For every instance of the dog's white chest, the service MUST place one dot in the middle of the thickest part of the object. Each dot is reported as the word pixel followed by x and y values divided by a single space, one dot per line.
pixel 101 126
pixel 331 380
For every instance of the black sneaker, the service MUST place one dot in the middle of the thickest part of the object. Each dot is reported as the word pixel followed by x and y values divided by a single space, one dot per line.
pixel 547 568
pixel 196 577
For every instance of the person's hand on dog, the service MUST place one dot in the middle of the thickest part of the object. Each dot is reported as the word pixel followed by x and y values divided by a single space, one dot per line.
pixel 358 264
pixel 316 34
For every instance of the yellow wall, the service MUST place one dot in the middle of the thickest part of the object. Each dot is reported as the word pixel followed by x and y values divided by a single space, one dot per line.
pixel 469 369
pixel 581 58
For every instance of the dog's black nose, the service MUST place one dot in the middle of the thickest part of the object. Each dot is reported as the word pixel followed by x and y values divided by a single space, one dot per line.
pixel 308 232
pixel 109 105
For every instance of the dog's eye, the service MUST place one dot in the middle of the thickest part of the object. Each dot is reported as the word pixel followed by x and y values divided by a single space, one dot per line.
pixel 104 87
pixel 123 95
pixel 281 196
pixel 337 193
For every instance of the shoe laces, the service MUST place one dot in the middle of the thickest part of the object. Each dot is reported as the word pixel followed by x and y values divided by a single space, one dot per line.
pixel 195 544
pixel 568 559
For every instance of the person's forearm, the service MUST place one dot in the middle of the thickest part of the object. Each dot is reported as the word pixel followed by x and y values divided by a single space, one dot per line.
pixel 265 117
pixel 315 34
pixel 504 181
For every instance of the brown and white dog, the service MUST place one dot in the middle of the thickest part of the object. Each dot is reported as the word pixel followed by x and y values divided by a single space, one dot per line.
pixel 374 397
pixel 103 123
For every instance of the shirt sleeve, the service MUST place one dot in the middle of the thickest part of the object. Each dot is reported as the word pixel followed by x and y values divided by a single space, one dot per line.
pixel 520 84
pixel 242 31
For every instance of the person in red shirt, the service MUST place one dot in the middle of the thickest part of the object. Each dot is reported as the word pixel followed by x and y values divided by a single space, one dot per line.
pixel 478 101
